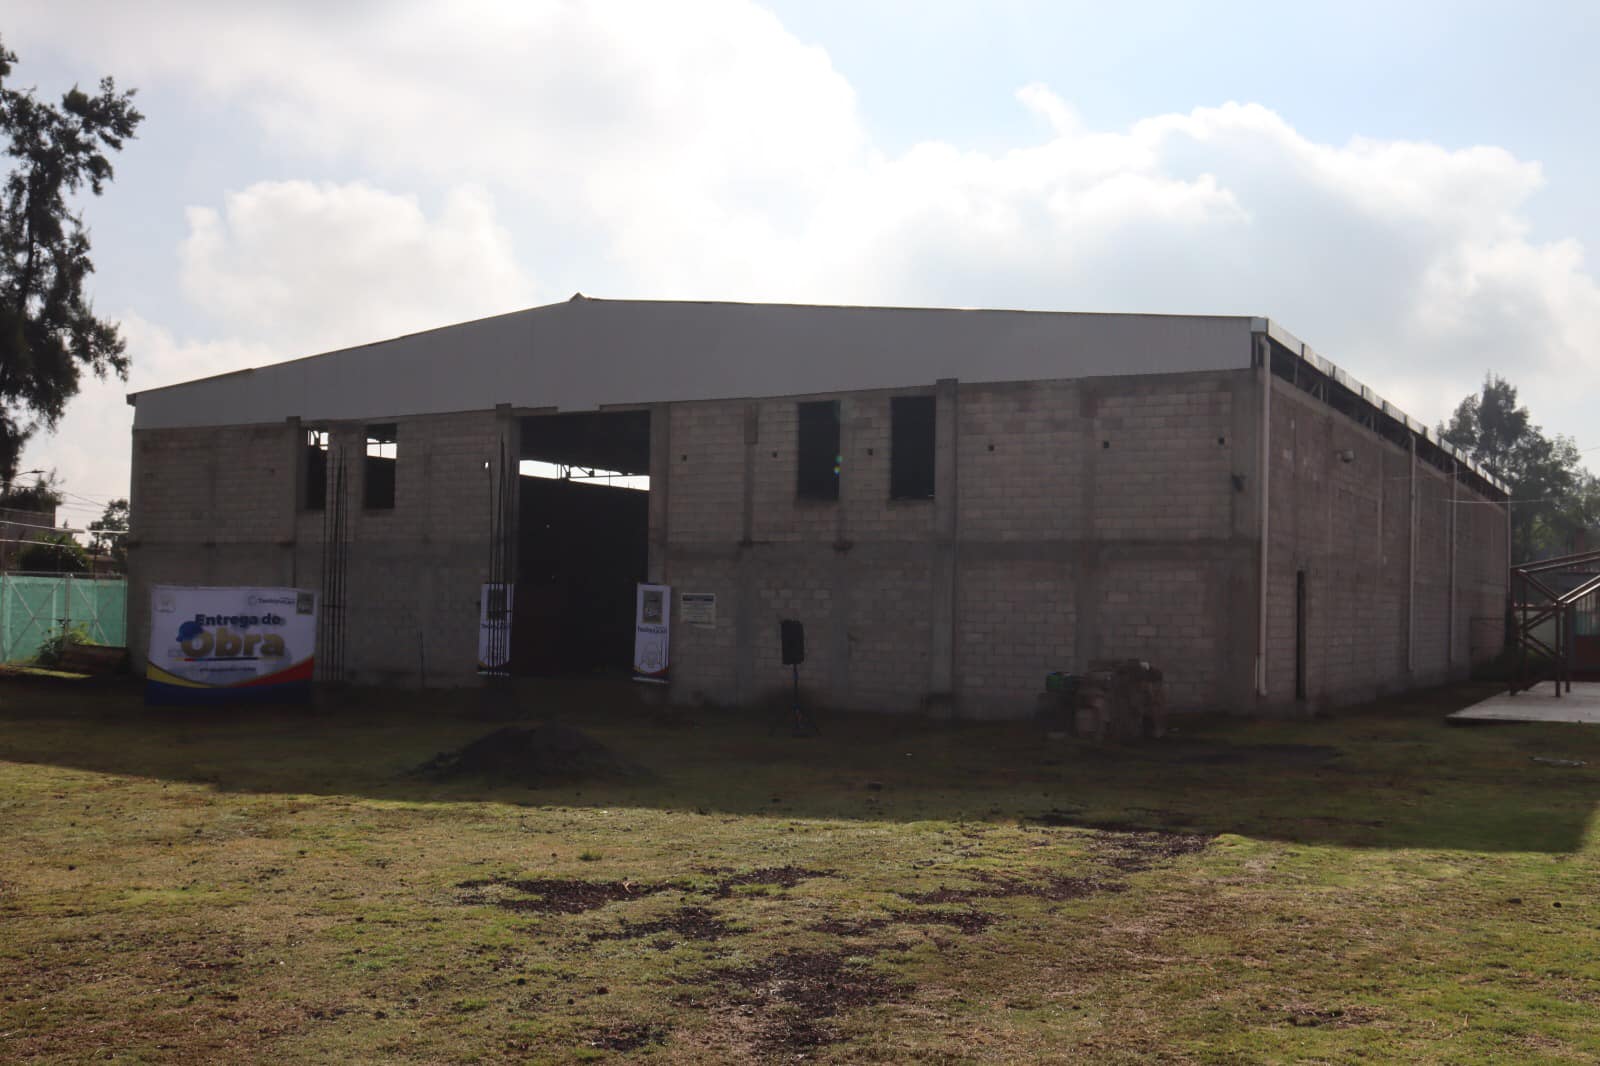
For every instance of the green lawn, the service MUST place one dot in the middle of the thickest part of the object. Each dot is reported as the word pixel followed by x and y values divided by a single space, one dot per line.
pixel 270 885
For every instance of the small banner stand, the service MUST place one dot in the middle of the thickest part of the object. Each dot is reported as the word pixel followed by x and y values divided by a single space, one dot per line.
pixel 652 631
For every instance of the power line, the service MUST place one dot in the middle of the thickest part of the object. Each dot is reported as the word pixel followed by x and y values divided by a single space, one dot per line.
pixel 64 529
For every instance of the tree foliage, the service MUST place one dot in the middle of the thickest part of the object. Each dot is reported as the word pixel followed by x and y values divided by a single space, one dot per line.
pixel 43 495
pixel 48 329
pixel 1553 496
pixel 56 553
pixel 103 532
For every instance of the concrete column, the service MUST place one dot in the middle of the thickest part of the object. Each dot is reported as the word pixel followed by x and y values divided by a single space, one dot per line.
pixel 508 435
pixel 1087 564
pixel 660 487
pixel 1455 481
pixel 1411 569
pixel 839 579
pixel 745 567
pixel 944 679
pixel 213 569
pixel 1264 510
pixel 1242 577
pixel 289 502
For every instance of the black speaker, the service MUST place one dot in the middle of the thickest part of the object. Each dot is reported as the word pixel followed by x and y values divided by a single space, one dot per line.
pixel 794 642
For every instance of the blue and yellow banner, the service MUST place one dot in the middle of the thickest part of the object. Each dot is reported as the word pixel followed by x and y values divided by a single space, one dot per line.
pixel 226 645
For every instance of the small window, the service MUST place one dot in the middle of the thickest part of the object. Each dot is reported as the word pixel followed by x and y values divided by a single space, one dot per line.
pixel 819 458
pixel 316 469
pixel 382 457
pixel 911 448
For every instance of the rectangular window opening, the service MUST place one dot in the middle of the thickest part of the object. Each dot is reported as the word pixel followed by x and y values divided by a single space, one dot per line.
pixel 316 469
pixel 911 433
pixel 819 457
pixel 616 479
pixel 383 451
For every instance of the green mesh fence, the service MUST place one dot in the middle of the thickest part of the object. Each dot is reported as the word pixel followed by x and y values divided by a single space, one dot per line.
pixel 33 605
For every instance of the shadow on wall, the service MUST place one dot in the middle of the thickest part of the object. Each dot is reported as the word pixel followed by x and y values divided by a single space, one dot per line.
pixel 1388 775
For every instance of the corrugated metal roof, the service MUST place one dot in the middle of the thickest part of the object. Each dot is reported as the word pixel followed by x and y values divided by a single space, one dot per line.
pixel 587 353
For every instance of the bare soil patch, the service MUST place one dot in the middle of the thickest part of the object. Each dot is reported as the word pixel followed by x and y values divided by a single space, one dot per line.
pixel 1137 850
pixel 1049 886
pixel 781 1005
pixel 553 895
pixel 1303 1017
pixel 690 923
pixel 777 876
pixel 966 921
pixel 628 1037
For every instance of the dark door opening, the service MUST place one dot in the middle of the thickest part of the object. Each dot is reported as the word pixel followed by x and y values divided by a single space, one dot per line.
pixel 1299 634
pixel 583 542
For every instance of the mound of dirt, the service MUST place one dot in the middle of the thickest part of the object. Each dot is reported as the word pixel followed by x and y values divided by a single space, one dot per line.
pixel 527 755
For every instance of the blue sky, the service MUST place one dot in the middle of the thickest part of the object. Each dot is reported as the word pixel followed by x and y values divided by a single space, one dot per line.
pixel 1522 76
pixel 1409 187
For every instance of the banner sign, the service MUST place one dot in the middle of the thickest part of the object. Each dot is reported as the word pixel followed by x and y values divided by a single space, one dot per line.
pixel 652 625
pixel 219 645
pixel 494 628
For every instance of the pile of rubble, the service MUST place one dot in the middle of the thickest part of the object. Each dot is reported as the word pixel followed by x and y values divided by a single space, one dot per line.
pixel 1115 699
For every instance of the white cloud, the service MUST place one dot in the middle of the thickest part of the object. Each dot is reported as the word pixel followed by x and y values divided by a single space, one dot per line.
pixel 308 267
pixel 701 150
pixel 91 445
pixel 286 269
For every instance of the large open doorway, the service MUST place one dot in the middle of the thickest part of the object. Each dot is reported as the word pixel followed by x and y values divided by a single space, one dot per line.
pixel 583 542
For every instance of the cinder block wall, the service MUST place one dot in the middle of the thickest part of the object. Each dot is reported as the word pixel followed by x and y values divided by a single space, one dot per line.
pixel 1347 526
pixel 1072 520
pixel 225 506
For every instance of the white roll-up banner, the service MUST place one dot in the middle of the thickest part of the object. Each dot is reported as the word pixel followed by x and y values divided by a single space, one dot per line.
pixel 652 629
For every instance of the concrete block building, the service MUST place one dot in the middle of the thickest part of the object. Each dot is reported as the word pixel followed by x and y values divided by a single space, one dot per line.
pixel 953 502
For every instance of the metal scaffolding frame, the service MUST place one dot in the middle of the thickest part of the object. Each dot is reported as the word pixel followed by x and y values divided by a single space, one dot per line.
pixel 1537 600
pixel 334 608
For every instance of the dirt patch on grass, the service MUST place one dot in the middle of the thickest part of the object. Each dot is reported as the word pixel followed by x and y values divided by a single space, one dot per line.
pixel 967 921
pixel 1137 850
pixel 529 756
pixel 628 1037
pixel 775 876
pixel 782 1005
pixel 1302 1017
pixel 690 923
pixel 553 895
pixel 1038 885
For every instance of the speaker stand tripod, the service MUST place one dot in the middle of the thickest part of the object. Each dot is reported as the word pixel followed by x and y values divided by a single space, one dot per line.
pixel 802 724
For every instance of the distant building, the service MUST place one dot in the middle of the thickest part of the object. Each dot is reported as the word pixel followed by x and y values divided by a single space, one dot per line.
pixel 18 526
pixel 954 502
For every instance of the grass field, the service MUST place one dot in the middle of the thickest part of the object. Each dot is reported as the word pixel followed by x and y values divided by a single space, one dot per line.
pixel 270 885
